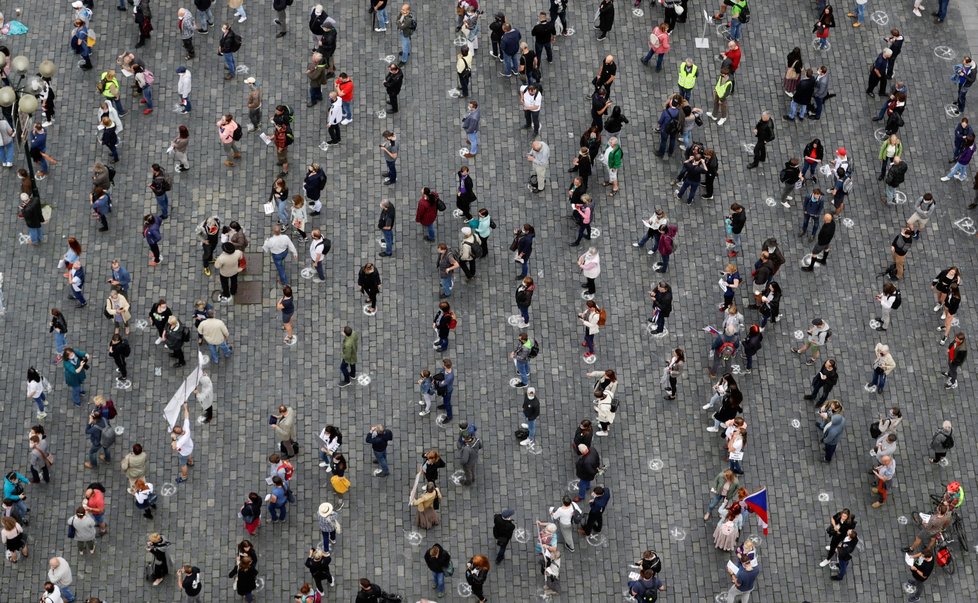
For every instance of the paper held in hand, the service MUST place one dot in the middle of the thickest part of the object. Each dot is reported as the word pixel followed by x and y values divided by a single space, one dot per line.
pixel 265 138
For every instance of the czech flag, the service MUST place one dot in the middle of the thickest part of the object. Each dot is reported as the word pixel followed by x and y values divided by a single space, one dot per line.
pixel 757 504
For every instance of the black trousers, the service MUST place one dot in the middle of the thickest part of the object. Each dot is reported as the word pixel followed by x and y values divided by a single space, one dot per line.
pixel 392 99
pixel 760 152
pixel 334 133
pixel 372 296
pixel 188 45
pixel 468 267
pixel 594 523
pixel 120 363
pixel 229 285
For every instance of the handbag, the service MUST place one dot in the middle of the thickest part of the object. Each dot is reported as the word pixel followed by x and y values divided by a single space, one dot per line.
pixel 449 569
pixel 71 530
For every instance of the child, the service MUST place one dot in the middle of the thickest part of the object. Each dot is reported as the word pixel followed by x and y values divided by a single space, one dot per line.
pixel 427 391
pixel 299 215
pixel 201 308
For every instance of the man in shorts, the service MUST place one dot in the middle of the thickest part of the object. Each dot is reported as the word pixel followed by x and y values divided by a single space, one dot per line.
pixel 184 445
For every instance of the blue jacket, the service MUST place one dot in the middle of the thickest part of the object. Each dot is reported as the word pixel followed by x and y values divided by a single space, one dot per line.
pixel 152 232
pixel 833 431
pixel 314 184
pixel 813 206
pixel 525 246
pixel 599 503
pixel 379 441
pixel 880 64
pixel 39 141
pixel 122 275
pixel 961 133
pixel 94 431
pixel 101 205
pixel 510 42
pixel 668 114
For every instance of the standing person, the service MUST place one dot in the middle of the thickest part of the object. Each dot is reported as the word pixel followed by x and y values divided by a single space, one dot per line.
pixel 181 441
pixel 83 525
pixel 812 209
pixel 156 545
pixel 802 97
pixel 427 212
pixel 721 93
pixel 379 439
pixel 960 168
pixel 465 193
pixel 688 72
pixel 763 133
pixel 470 124
pixel 606 18
pixel 531 412
pixel 467 253
pixel 348 365
pixel 884 473
pixel 539 158
pixel 965 75
pixel 58 326
pixel 920 571
pixel 446 265
pixel 957 351
pixel 613 162
pixel 743 580
pixel 952 303
pixel 245 578
pixel 393 82
pixel 75 364
pixel 941 442
pixel 831 434
pixel 318 562
pixel 279 246
pixel 468 456
pixel 286 304
pixel 590 264
pixel 531 101
pixel 736 221
pixel 369 282
pixel 589 319
pixel 669 126
pixel 188 581
pixel 35 391
pixel 922 213
pixel 406 26
pixel 329 525
pixel 600 497
pixel 386 226
pixel 476 572
pixel 839 526
pixel 521 357
pixel 253 103
pixel 59 576
pixel 586 468
pixel 442 324
pixel 524 297
pixel 134 464
pixel 186 25
pixel 523 246
pixel 179 146
pixel 899 249
pixel 250 513
pixel 228 266
pixel 661 307
pixel 883 365
pixel 281 18
pixel 229 132
pixel 659 46
pixel 316 73
pixel 438 561
pixel 503 527
pixel 390 151
pixel 229 44
pixel 175 337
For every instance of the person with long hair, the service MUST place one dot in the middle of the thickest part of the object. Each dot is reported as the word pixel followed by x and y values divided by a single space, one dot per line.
pixel 476 572
pixel 318 563
pixel 250 513
pixel 245 578
pixel 35 391
pixel 951 304
pixel 287 305
pixel 179 146
pixel 672 371
pixel 157 545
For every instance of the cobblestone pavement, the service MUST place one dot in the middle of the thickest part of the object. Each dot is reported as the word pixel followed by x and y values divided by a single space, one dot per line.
pixel 654 504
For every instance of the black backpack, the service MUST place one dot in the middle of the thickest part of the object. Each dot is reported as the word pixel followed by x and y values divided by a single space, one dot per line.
pixel 675 126
pixel 651 595
pixel 744 16
pixel 327 245
pixel 235 42
pixel 236 135
pixel 167 181
pixel 476 247
pixel 949 442
pixel 534 350
pixel 521 434
pixel 438 202
pixel 898 301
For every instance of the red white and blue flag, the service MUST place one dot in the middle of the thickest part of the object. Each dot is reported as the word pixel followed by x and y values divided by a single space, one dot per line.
pixel 757 504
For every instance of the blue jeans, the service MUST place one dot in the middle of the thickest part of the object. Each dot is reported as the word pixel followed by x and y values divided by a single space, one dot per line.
pixel 277 511
pixel 808 167
pixel 279 260
pixel 347 111
pixel 348 371
pixel 735 28
pixel 382 460
pixel 648 56
pixel 714 503
pixel 283 212
pixel 446 285
pixel 511 64
pixel 685 92
pixel 7 152
pixel 40 402
pixel 735 236
pixel 829 452
pixel 687 138
pixel 36 234
pixel 525 267
pixel 663 139
pixel 819 103
pixel 962 93
pixel 405 47
pixel 843 566
pixel 879 380
pixel 388 241
pixel 163 202
pixel 882 112
pixel 523 368
pixel 429 231
pixel 804 224
pixel 328 538
pixel 531 428
pixel 447 401
pixel 112 151
pixel 321 270
pixel 186 103
pixel 958 171
pixel 665 262
pixel 392 170
pixel 801 110
pixel 382 18
pixel 750 360
pixel 473 142
pixel 525 313
pixel 148 96
pixel 942 10
pixel 93 454
pixel 60 340
pixel 223 347
pixel 692 185
pixel 589 341
pixel 205 18
pixel 229 63
pixel 650 234
pixel 582 487
pixel 861 12
pixel 439 581
pixel 735 467
pixel 69 596
pixel 118 106
pixel 44 165
pixel 823 43
pixel 658 61
pixel 315 94
pixel 78 295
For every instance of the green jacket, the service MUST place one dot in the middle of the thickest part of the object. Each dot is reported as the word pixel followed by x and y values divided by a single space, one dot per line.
pixel 614 158
pixel 734 486
pixel 886 142
pixel 351 344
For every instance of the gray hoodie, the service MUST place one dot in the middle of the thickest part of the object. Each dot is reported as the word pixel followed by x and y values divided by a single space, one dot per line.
pixel 832 432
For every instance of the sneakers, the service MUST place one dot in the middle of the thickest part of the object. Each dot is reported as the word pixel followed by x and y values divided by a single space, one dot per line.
pixel 603 434
pixel 207 271
pixel 424 413
pixel 712 429
pixel 945 178
pixel 710 115
pixel 707 406
pixel 824 562
pixel 526 442
pixel 721 121
pixel 380 473
pixel 345 383
pixel 869 387
pixel 948 385
pixel 346 122
pixel 323 464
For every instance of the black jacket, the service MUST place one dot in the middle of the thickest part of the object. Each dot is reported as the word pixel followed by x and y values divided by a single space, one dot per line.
pixel 738 220
pixel 765 130
pixel 587 465
pixel 32 213
pixel 524 295
pixel 368 281
pixel 226 44
pixel 316 22
pixel 247 580
pixel 825 233
pixel 393 82
pixel 846 549
pixel 327 44
pixel 531 408
pixel 896 174
pixel 502 529
pixel 319 568
pixel 439 563
pixel 804 91
pixel 279 5
pixel 663 301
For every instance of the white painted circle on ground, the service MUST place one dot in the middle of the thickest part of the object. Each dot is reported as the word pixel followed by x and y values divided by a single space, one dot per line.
pixel 902 520
pixel 201 419
pixel 178 108
pixel 879 18
pixel 521 536
pixel 847 222
pixel 168 489
pixel 125 385
pixel 119 430
pixel 414 538
pixel 381 114
pixel 677 534
pixel 572 485
pixel 749 147
pixel 799 334
pixel 292 342
pixel 463 152
pixel 307 273
pixel 735 369
pixel 944 462
pixel 796 423
pixel 569 31
pixel 909 588
pixel 442 420
pixel 259 584
pixel 464 590
pixel 368 311
pixel 587 296
pixel 590 359
pixel 951 110
pixel 944 52
pixel 23 239
pixel 457 477
pixel 880 135
pixel 382 243
pixel 363 379
pixel 771 202
pixel 457 213
pixel 597 540
pixel 514 320
pixel 966 225
pixel 824 497
pixel 873 323
pixel 158 371
pixel 755 539
pixel 899 197
pixel 454 93
pixel 656 464
pixel 721 598
pixel 955 322
pixel 514 381
pixel 826 170
pixel 323 146
pixel 595 233
pixel 142 325
pixel 242 69
pixel 389 58
pixel 534 449
pixel 638 12
pixel 723 30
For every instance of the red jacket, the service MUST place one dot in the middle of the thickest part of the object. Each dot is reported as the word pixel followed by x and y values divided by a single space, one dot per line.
pixel 346 89
pixel 427 211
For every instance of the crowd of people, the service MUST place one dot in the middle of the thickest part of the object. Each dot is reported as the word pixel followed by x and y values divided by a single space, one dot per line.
pixel 818 182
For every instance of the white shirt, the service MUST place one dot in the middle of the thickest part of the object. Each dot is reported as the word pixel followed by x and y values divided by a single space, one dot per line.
pixel 34 389
pixel 183 84
pixel 563 514
pixel 185 445
pixel 142 495
pixel 531 102
pixel 279 243
pixel 316 248
pixel 53 597
pixel 335 112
